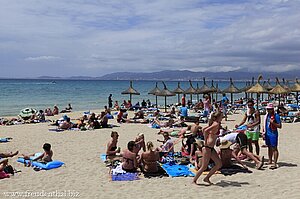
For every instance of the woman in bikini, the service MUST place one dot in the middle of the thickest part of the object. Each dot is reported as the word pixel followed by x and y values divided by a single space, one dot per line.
pixel 210 136
pixel 112 149
pixel 129 161
pixel 149 159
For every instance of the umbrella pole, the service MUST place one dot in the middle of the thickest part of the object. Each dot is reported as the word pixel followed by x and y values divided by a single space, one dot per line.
pixel 130 98
pixel 156 100
pixel 165 103
pixel 178 98
pixel 198 97
pixel 297 97
pixel 257 100
pixel 231 96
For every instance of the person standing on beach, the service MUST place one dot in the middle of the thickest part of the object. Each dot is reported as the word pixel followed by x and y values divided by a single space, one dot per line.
pixel 207 105
pixel 110 101
pixel 252 117
pixel 183 100
pixel 271 124
pixel 224 103
pixel 210 136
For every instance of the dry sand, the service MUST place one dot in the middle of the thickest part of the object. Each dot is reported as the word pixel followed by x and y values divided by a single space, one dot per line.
pixel 85 176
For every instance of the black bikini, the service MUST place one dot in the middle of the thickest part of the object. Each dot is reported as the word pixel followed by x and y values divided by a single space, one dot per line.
pixel 211 148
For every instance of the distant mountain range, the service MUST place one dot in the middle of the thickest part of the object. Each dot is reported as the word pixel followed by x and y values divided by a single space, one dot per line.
pixel 183 75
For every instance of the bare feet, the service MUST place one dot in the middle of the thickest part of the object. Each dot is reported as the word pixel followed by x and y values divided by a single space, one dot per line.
pixel 207 181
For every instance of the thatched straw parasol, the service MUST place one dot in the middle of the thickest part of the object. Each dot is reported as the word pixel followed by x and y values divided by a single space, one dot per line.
pixel 296 88
pixel 166 93
pixel 278 89
pixel 131 91
pixel 205 89
pixel 213 89
pixel 285 85
pixel 190 90
pixel 155 91
pixel 257 88
pixel 178 91
pixel 231 89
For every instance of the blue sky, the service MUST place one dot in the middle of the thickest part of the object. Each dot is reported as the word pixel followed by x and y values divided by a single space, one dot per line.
pixel 93 38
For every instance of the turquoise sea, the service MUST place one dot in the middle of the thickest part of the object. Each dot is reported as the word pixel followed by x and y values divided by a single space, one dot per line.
pixel 17 94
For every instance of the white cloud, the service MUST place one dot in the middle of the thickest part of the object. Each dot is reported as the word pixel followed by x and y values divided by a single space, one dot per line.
pixel 97 37
pixel 41 58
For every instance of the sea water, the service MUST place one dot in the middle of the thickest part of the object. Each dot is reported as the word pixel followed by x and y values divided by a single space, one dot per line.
pixel 84 95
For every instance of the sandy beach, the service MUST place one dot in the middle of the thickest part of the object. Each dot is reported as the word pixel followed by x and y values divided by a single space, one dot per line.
pixel 85 175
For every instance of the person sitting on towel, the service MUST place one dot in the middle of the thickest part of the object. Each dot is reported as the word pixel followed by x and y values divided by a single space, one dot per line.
pixel 43 158
pixel 149 159
pixel 129 160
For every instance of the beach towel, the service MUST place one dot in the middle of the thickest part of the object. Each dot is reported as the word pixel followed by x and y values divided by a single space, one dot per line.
pixel 118 174
pixel 50 165
pixel 175 170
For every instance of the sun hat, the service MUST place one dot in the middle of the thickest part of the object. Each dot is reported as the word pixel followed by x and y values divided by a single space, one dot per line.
pixel 270 106
pixel 225 144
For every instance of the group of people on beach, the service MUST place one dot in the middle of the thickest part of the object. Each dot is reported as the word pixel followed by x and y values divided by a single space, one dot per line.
pixel 201 143
pixel 198 143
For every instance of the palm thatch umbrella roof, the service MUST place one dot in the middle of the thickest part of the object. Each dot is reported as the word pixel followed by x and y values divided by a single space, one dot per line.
pixel 286 85
pixel 178 90
pixel 278 89
pixel 296 86
pixel 257 88
pixel 191 89
pixel 155 90
pixel 213 88
pixel 231 88
pixel 204 88
pixel 165 93
pixel 131 91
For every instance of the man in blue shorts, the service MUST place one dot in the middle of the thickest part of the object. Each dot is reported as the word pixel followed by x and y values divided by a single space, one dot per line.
pixel 272 123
